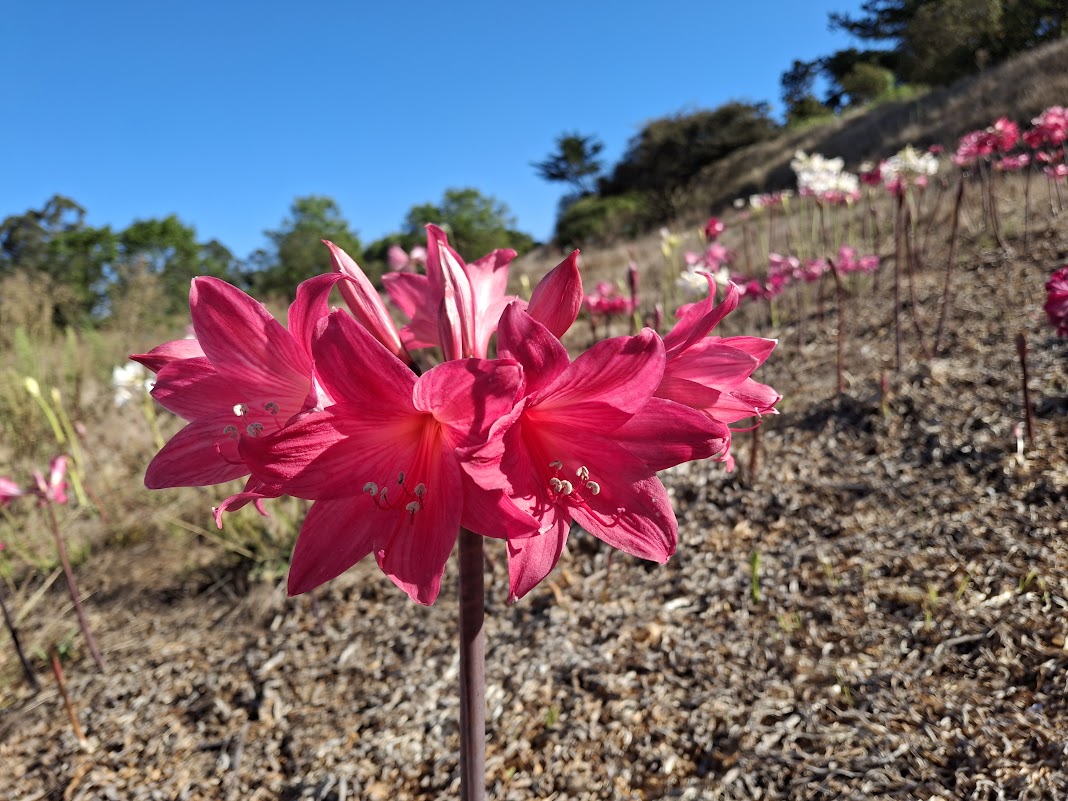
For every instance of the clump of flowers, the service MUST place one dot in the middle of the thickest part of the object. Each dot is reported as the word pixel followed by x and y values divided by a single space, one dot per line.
pixel 908 167
pixel 396 464
pixel 824 178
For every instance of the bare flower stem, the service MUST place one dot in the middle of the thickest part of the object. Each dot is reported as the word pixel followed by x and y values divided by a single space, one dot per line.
pixel 947 291
pixel 472 668
pixel 72 587
pixel 1021 350
pixel 30 677
pixel 57 669
pixel 899 253
pixel 840 289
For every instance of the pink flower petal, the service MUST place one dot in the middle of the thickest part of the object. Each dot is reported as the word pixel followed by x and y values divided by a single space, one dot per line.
pixel 197 456
pixel 532 559
pixel 336 535
pixel 557 298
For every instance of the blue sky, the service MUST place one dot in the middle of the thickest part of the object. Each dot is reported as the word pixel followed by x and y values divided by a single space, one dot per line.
pixel 223 112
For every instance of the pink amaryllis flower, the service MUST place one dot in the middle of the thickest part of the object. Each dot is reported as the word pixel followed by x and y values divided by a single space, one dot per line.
pixel 463 301
pixel 1056 305
pixel 383 463
pixel 585 443
pixel 713 374
pixel 252 377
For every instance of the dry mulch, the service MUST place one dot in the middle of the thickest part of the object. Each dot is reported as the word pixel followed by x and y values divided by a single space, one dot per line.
pixel 903 635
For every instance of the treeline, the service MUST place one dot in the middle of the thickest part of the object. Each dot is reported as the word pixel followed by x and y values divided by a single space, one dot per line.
pixel 89 274
pixel 920 43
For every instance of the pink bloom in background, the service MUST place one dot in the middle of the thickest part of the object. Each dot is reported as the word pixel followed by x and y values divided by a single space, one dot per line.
pixel 848 262
pixel 972 147
pixel 8 490
pixel 713 228
pixel 1014 163
pixel 253 377
pixel 1005 133
pixel 1049 128
pixel 606 301
pixel 871 174
pixel 936 150
pixel 383 463
pixel 1056 305
pixel 398 259
pixel 54 488
pixel 814 269
pixel 1058 172
pixel 455 305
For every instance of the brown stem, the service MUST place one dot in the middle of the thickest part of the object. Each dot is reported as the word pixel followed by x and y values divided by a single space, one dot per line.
pixel 947 292
pixel 899 224
pixel 30 677
pixel 995 221
pixel 1027 208
pixel 915 308
pixel 57 669
pixel 72 587
pixel 1021 350
pixel 754 453
pixel 840 289
pixel 472 668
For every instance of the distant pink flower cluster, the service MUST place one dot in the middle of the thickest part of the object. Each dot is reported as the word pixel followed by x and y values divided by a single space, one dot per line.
pixel 400 261
pixel 1056 305
pixel 786 270
pixel 607 301
pixel 516 447
pixel 1045 138
pixel 848 262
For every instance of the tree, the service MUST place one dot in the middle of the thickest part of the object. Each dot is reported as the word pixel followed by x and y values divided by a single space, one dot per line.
pixel 941 40
pixel 168 249
pixel 476 223
pixel 575 162
pixel 668 152
pixel 296 251
pixel 867 82
pixel 54 242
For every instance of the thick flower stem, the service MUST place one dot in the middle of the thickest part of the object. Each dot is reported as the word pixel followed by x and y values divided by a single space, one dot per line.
pixel 73 588
pixel 472 668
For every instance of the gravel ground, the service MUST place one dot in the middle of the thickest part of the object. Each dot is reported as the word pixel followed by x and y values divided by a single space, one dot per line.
pixel 878 611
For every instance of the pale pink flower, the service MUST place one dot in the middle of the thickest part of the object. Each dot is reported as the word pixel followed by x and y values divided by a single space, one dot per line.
pixel 54 488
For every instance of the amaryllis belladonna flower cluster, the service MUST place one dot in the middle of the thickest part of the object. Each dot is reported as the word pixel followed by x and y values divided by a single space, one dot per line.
pixel 516 447
pixel 1057 301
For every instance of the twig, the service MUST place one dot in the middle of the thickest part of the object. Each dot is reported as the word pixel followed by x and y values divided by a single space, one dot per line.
pixel 57 669
pixel 72 587
pixel 1021 350
pixel 947 289
pixel 30 677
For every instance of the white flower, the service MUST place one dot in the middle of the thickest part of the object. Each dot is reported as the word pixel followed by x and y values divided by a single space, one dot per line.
pixel 131 381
